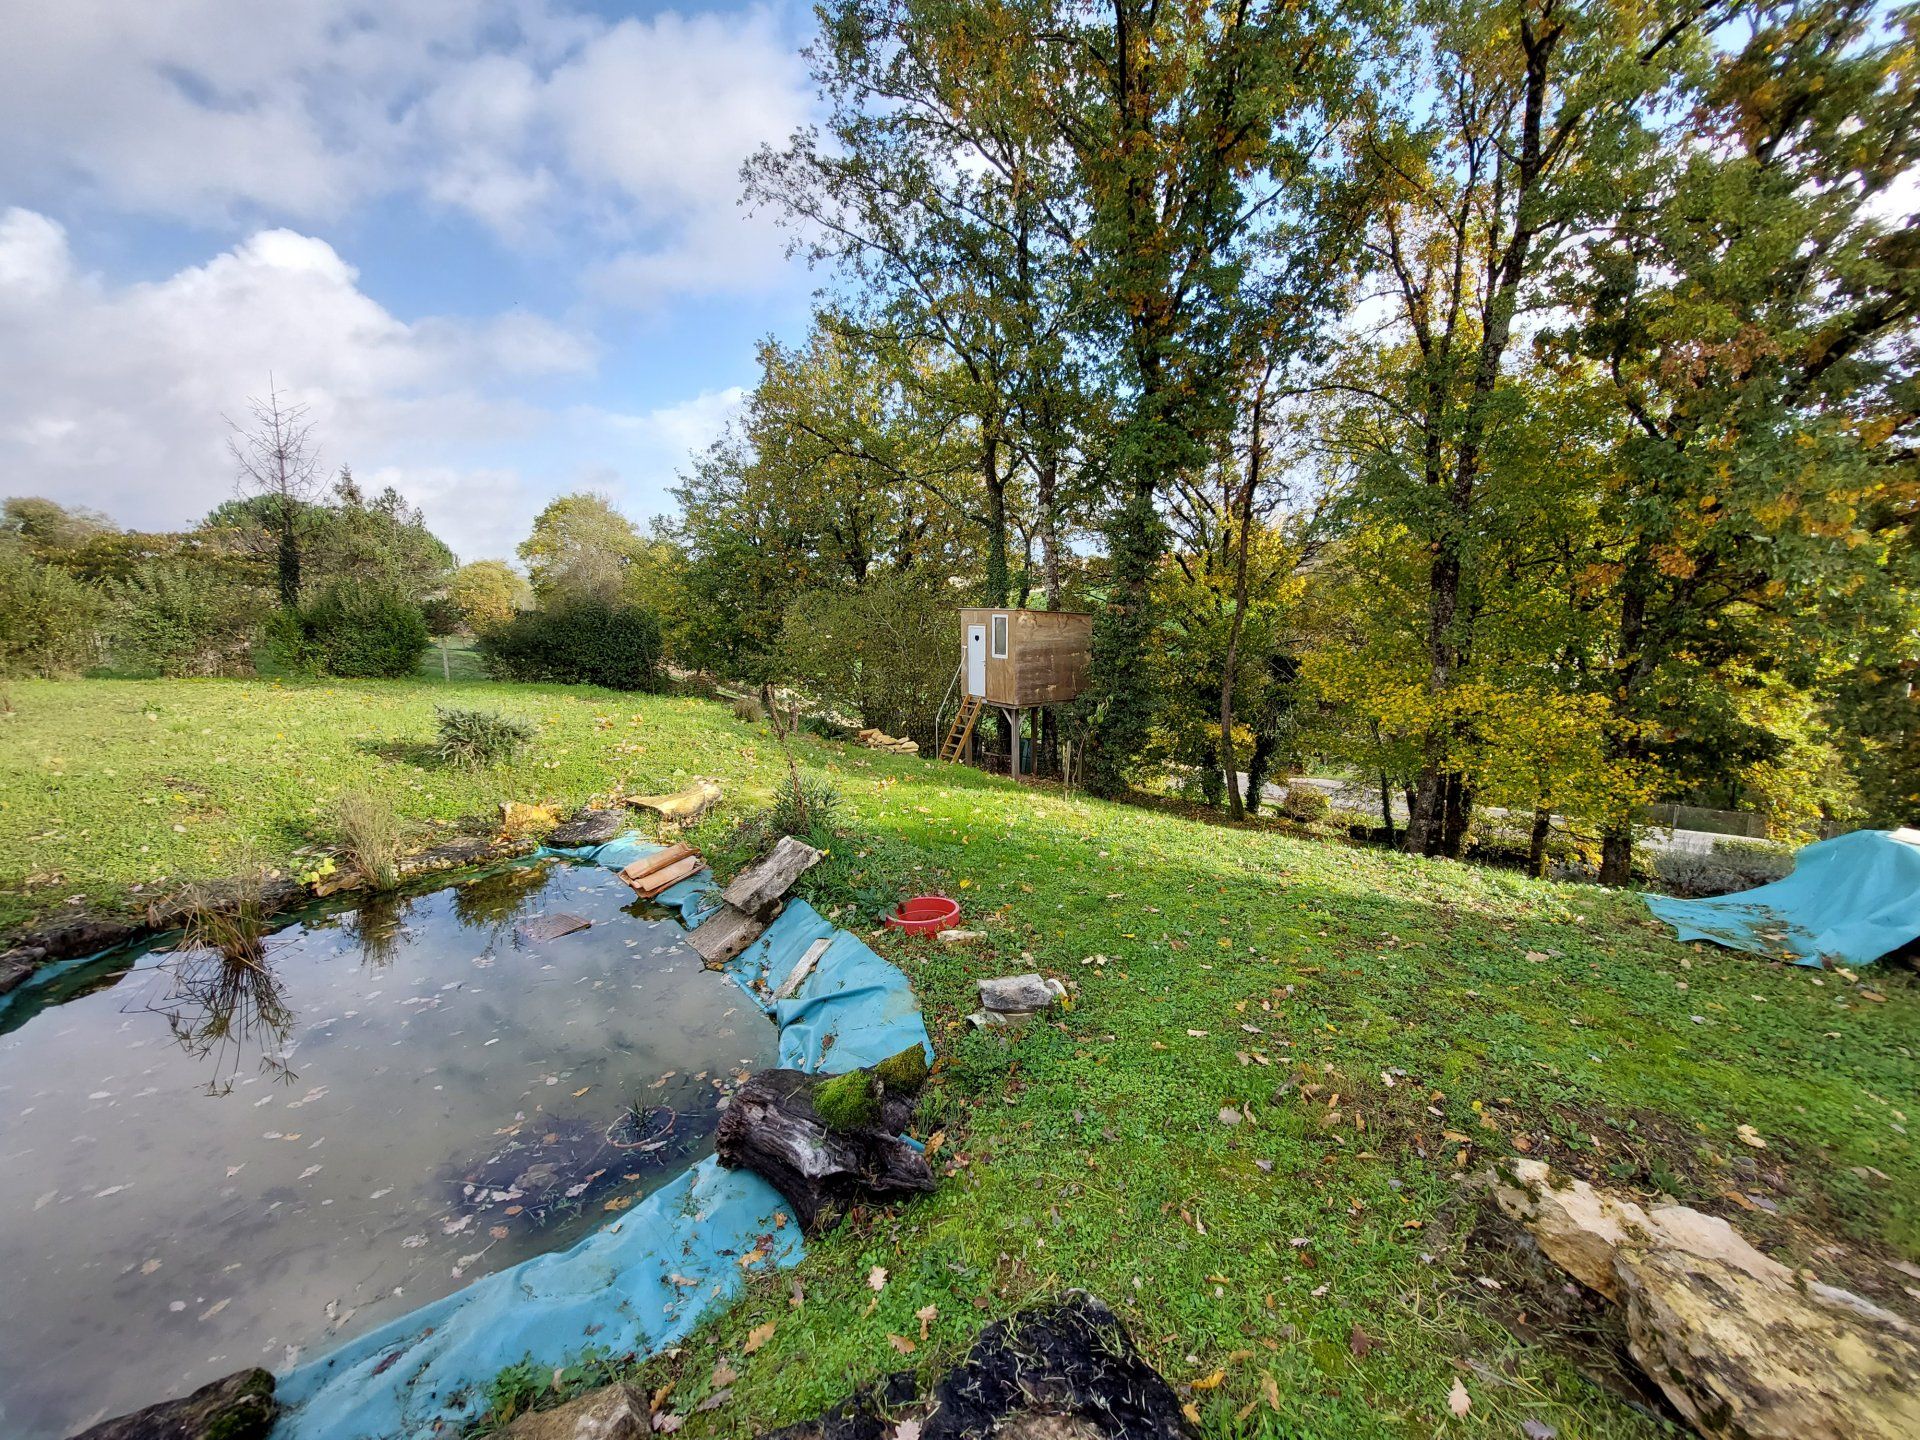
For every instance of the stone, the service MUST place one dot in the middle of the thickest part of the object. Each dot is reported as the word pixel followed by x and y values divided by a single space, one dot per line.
pixel 1020 994
pixel 759 889
pixel 518 819
pixel 613 1412
pixel 1743 1347
pixel 589 827
pixel 682 807
pixel 1749 1359
pixel 239 1406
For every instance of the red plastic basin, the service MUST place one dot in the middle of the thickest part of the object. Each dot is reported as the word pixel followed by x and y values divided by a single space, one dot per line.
pixel 925 915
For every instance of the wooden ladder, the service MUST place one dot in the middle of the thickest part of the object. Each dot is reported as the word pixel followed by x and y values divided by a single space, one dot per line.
pixel 956 742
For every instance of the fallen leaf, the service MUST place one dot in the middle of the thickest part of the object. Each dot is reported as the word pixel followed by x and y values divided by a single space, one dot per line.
pixel 902 1344
pixel 1538 1430
pixel 758 1336
pixel 1360 1343
pixel 1192 1412
pixel 581 1091
pixel 1458 1401
pixel 1750 1136
pixel 1269 1391
pixel 1210 1382
pixel 926 1315
pixel 666 1424
pixel 907 1430
pixel 723 1376
pixel 877 1279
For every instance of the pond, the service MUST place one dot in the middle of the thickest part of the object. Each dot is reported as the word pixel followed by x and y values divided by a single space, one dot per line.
pixel 209 1162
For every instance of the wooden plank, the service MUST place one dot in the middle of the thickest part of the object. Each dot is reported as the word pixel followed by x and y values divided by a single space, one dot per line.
pixel 658 860
pixel 799 973
pixel 659 881
pixel 720 937
pixel 760 887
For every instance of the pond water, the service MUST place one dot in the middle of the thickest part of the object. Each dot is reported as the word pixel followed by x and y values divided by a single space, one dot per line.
pixel 208 1163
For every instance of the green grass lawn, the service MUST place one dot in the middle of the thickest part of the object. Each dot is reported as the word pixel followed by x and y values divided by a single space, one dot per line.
pixel 1385 1025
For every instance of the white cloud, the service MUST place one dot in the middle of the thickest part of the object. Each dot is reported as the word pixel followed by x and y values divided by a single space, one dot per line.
pixel 116 397
pixel 621 141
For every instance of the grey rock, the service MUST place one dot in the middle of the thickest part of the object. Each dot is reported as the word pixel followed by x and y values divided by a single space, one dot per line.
pixel 1020 994
pixel 613 1412
pixel 589 827
pixel 238 1407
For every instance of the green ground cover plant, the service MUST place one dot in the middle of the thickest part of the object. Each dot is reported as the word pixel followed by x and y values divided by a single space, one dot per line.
pixel 1247 1128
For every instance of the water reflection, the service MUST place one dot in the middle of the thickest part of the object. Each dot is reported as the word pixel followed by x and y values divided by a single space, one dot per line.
pixel 224 1003
pixel 379 928
pixel 494 903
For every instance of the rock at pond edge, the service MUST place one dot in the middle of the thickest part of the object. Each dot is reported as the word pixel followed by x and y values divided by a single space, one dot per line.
pixel 239 1406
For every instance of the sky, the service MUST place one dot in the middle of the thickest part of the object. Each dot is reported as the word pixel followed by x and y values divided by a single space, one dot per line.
pixel 495 246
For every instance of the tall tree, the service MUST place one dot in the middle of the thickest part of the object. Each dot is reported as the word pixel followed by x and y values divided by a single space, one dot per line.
pixel 277 465
pixel 1756 322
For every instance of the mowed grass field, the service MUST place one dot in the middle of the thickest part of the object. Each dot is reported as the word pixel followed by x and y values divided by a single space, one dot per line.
pixel 1383 1027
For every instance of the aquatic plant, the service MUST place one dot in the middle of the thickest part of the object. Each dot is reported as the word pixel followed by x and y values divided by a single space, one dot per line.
pixel 370 832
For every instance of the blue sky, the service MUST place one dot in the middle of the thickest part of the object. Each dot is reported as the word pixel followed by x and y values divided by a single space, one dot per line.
pixel 495 245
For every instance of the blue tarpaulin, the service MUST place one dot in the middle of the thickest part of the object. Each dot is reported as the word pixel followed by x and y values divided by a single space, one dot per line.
pixel 644 1281
pixel 1849 901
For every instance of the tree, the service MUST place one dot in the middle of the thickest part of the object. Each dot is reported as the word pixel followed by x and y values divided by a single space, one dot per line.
pixel 581 548
pixel 1517 127
pixel 1755 323
pixel 488 593
pixel 49 528
pixel 278 467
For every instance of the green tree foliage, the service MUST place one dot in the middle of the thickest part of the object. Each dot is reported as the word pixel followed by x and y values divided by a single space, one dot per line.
pixel 883 652
pixel 48 528
pixel 351 631
pixel 47 617
pixel 581 548
pixel 175 617
pixel 580 642
pixel 488 593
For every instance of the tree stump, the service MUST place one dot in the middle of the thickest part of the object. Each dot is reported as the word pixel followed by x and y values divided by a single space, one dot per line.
pixel 772 1129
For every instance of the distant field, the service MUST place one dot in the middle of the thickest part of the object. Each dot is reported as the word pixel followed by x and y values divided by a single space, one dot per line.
pixel 455 660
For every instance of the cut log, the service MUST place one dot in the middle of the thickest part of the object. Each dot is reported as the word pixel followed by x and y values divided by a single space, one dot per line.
pixel 658 860
pixel 682 807
pixel 721 936
pixel 797 976
pixel 772 1129
pixel 759 889
pixel 665 878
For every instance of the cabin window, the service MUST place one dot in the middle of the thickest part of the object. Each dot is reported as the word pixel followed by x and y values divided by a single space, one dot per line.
pixel 999 637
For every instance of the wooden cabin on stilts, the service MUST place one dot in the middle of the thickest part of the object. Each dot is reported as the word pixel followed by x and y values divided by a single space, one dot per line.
pixel 1017 662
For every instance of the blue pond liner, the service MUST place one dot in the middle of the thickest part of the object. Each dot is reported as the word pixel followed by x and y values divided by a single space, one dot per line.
pixel 644 1281
pixel 1849 901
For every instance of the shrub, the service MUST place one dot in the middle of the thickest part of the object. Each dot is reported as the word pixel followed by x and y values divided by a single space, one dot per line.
pixel 356 632
pixel 583 642
pixel 370 832
pixel 803 809
pixel 174 617
pixel 885 652
pixel 1304 804
pixel 748 709
pixel 47 617
pixel 477 738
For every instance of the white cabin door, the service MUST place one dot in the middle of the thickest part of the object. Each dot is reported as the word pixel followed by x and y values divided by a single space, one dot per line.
pixel 976 659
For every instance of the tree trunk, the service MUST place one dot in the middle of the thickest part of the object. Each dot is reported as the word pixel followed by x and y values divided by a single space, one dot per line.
pixel 999 575
pixel 1616 855
pixel 1046 498
pixel 1457 817
pixel 1537 842
pixel 1386 806
pixel 1250 485
pixel 772 1129
pixel 1257 767
pixel 1122 635
pixel 289 560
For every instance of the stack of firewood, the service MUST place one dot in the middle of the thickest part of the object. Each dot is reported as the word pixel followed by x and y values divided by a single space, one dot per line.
pixel 894 744
pixel 650 875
